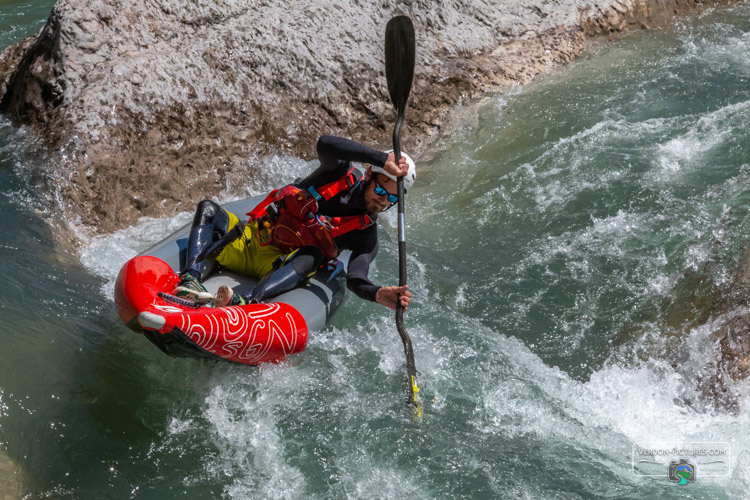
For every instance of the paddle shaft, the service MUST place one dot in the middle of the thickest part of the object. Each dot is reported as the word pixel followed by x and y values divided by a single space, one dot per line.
pixel 411 369
pixel 401 206
pixel 399 69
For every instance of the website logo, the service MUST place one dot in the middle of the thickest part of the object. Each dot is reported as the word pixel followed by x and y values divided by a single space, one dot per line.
pixel 682 472
pixel 678 461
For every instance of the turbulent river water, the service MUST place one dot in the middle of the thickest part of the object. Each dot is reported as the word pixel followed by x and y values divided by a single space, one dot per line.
pixel 572 247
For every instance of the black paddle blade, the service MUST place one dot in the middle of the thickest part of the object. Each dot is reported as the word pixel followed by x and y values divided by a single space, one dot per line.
pixel 399 60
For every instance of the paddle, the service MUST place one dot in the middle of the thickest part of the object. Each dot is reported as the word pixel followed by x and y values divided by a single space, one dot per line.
pixel 399 72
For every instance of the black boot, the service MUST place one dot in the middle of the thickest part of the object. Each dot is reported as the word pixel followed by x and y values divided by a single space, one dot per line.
pixel 210 224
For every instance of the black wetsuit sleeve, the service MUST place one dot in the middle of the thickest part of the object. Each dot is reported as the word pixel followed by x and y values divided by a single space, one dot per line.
pixel 364 249
pixel 331 148
pixel 335 155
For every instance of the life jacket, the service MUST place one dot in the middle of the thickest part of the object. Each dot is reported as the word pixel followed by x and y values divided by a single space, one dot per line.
pixel 289 219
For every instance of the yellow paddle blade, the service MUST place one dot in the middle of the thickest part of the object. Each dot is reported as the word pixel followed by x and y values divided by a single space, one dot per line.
pixel 416 407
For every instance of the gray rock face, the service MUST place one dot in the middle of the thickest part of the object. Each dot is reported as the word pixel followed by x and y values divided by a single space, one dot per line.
pixel 148 106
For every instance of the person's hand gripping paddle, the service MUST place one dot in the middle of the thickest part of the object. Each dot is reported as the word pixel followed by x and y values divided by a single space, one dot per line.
pixel 399 72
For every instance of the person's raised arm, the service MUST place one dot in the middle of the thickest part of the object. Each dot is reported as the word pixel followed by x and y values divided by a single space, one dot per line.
pixel 330 149
pixel 335 155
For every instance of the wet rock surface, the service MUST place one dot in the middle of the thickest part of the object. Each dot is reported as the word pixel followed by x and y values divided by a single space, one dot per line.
pixel 148 106
pixel 11 479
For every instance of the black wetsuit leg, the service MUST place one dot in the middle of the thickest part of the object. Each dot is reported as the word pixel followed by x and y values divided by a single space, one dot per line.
pixel 302 264
pixel 210 224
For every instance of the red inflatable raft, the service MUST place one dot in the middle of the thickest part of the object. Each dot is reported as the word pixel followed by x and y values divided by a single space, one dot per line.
pixel 250 334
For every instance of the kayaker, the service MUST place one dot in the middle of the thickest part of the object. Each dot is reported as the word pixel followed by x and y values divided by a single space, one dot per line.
pixel 345 219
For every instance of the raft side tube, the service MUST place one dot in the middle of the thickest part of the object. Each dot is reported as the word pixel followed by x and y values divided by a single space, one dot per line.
pixel 249 334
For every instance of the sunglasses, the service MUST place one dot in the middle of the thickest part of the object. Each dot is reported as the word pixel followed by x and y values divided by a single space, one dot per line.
pixel 380 191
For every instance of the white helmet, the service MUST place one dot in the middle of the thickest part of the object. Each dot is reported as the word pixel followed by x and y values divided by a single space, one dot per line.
pixel 411 174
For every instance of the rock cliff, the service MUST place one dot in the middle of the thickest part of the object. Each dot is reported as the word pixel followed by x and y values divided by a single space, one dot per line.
pixel 147 106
